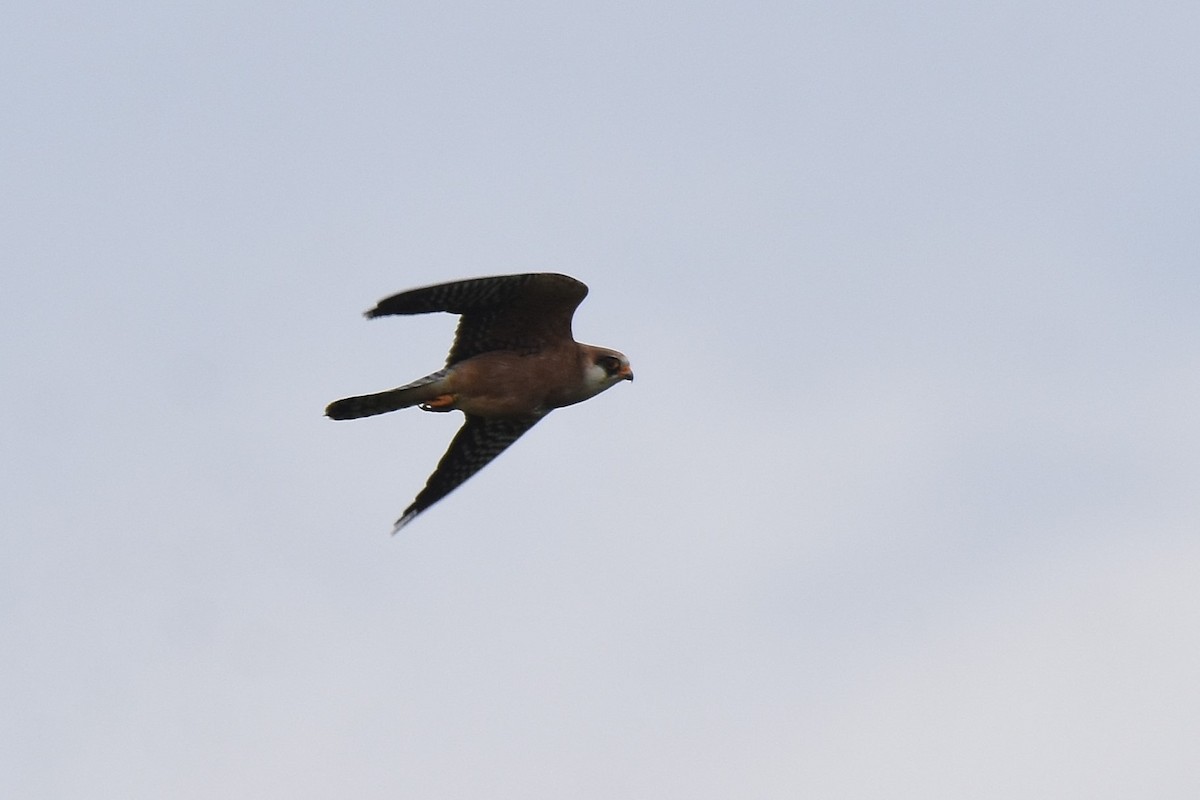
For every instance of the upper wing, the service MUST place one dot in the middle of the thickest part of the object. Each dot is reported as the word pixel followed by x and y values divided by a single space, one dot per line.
pixel 503 312
pixel 477 442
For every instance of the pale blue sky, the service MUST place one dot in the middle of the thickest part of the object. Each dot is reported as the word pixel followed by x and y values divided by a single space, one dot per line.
pixel 903 503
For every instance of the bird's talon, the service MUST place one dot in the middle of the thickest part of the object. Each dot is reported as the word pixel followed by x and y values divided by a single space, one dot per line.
pixel 443 402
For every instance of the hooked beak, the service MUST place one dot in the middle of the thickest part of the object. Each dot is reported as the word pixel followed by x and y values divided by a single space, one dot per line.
pixel 626 373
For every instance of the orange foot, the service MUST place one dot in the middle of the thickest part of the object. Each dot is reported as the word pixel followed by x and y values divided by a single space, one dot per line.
pixel 443 402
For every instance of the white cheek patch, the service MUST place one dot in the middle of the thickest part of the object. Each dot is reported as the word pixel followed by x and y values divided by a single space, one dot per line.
pixel 595 377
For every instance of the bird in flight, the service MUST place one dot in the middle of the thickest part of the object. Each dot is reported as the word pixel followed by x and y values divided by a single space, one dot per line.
pixel 513 361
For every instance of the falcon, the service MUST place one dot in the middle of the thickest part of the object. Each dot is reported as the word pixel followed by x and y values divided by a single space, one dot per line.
pixel 513 361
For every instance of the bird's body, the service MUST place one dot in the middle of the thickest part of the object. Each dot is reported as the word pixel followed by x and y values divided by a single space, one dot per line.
pixel 514 360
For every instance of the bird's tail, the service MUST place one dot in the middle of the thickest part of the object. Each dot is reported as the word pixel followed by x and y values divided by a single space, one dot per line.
pixel 367 405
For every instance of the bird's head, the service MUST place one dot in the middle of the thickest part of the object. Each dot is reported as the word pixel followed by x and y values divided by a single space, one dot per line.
pixel 605 368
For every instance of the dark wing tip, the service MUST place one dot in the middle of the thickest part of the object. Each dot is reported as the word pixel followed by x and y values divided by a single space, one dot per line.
pixel 409 514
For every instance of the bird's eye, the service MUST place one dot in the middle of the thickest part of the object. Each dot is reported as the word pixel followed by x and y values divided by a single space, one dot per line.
pixel 610 364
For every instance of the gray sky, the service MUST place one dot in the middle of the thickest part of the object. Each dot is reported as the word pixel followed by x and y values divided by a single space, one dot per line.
pixel 903 503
